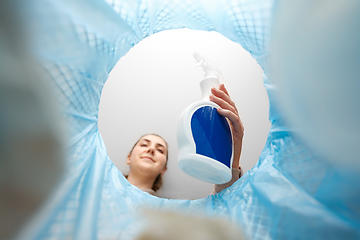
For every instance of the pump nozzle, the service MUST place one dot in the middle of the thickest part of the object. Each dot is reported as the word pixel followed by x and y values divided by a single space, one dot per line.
pixel 213 76
pixel 208 67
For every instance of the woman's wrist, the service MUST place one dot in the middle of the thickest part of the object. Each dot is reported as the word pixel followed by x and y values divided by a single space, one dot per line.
pixel 237 153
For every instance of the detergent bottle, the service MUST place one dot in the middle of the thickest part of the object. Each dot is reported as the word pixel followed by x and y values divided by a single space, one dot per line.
pixel 204 136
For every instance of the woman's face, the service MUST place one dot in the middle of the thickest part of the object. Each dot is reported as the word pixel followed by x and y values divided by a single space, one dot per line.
pixel 148 156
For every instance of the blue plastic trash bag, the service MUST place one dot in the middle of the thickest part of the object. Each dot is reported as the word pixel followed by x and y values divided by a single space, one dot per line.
pixel 289 194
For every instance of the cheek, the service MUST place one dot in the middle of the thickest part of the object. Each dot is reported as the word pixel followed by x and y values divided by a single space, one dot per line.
pixel 163 159
pixel 136 152
pixel 134 156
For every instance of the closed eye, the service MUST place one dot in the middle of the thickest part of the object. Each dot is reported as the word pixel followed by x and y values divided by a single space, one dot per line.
pixel 161 151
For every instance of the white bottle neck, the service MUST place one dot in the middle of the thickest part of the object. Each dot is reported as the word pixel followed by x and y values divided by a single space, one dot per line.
pixel 206 85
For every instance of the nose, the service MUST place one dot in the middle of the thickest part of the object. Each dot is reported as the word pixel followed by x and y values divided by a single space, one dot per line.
pixel 151 150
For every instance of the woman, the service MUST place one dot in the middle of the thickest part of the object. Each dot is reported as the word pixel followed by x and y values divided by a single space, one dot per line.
pixel 148 158
pixel 148 162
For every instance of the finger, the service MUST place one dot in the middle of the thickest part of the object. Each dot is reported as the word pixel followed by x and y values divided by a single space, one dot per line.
pixel 222 103
pixel 224 96
pixel 235 120
pixel 223 88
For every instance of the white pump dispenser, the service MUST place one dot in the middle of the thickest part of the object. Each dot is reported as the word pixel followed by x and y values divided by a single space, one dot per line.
pixel 213 76
pixel 204 136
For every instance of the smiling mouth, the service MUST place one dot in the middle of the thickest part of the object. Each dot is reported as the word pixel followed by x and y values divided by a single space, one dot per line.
pixel 149 158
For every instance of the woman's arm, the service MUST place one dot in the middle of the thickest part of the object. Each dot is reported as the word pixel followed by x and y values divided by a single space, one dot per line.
pixel 228 109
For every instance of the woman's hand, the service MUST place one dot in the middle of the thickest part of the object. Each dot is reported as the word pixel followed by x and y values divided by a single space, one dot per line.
pixel 228 109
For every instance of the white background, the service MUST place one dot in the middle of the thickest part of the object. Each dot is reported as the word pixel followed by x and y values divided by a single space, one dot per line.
pixel 157 79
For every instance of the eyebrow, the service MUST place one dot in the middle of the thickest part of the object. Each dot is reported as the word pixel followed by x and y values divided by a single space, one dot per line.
pixel 157 144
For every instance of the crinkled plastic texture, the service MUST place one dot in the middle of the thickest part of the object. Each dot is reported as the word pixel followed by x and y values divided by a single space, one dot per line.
pixel 289 193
